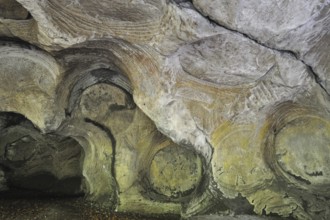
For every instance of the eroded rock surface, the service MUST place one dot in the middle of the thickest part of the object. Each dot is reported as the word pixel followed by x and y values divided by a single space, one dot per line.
pixel 178 107
pixel 298 26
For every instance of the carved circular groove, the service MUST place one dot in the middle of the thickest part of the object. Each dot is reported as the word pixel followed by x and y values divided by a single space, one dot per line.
pixel 237 164
pixel 98 76
pixel 175 171
pixel 302 150
pixel 29 78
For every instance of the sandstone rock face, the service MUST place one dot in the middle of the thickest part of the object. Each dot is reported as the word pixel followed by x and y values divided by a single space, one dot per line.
pixel 169 107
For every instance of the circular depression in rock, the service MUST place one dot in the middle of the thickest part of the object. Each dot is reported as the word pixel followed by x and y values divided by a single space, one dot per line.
pixel 302 150
pixel 175 171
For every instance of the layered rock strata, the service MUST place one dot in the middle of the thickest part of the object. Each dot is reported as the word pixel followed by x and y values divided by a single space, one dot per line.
pixel 171 107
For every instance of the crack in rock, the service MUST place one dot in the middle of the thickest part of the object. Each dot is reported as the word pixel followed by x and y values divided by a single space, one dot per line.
pixel 212 21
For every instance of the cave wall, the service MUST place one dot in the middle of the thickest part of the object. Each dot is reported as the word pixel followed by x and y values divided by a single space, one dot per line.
pixel 180 107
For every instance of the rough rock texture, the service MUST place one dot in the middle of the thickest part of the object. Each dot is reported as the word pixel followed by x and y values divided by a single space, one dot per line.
pixel 34 161
pixel 301 27
pixel 180 107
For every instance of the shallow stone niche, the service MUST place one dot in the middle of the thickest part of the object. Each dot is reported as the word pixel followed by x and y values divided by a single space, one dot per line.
pixel 149 107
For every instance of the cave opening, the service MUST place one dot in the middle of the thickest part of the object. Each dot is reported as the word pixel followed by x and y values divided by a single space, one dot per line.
pixel 45 164
pixel 38 171
pixel 41 175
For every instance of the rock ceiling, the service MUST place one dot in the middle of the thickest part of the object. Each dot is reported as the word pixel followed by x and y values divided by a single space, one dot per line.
pixel 180 107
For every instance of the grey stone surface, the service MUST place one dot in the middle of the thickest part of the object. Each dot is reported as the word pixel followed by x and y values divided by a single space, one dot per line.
pixel 241 85
pixel 298 26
